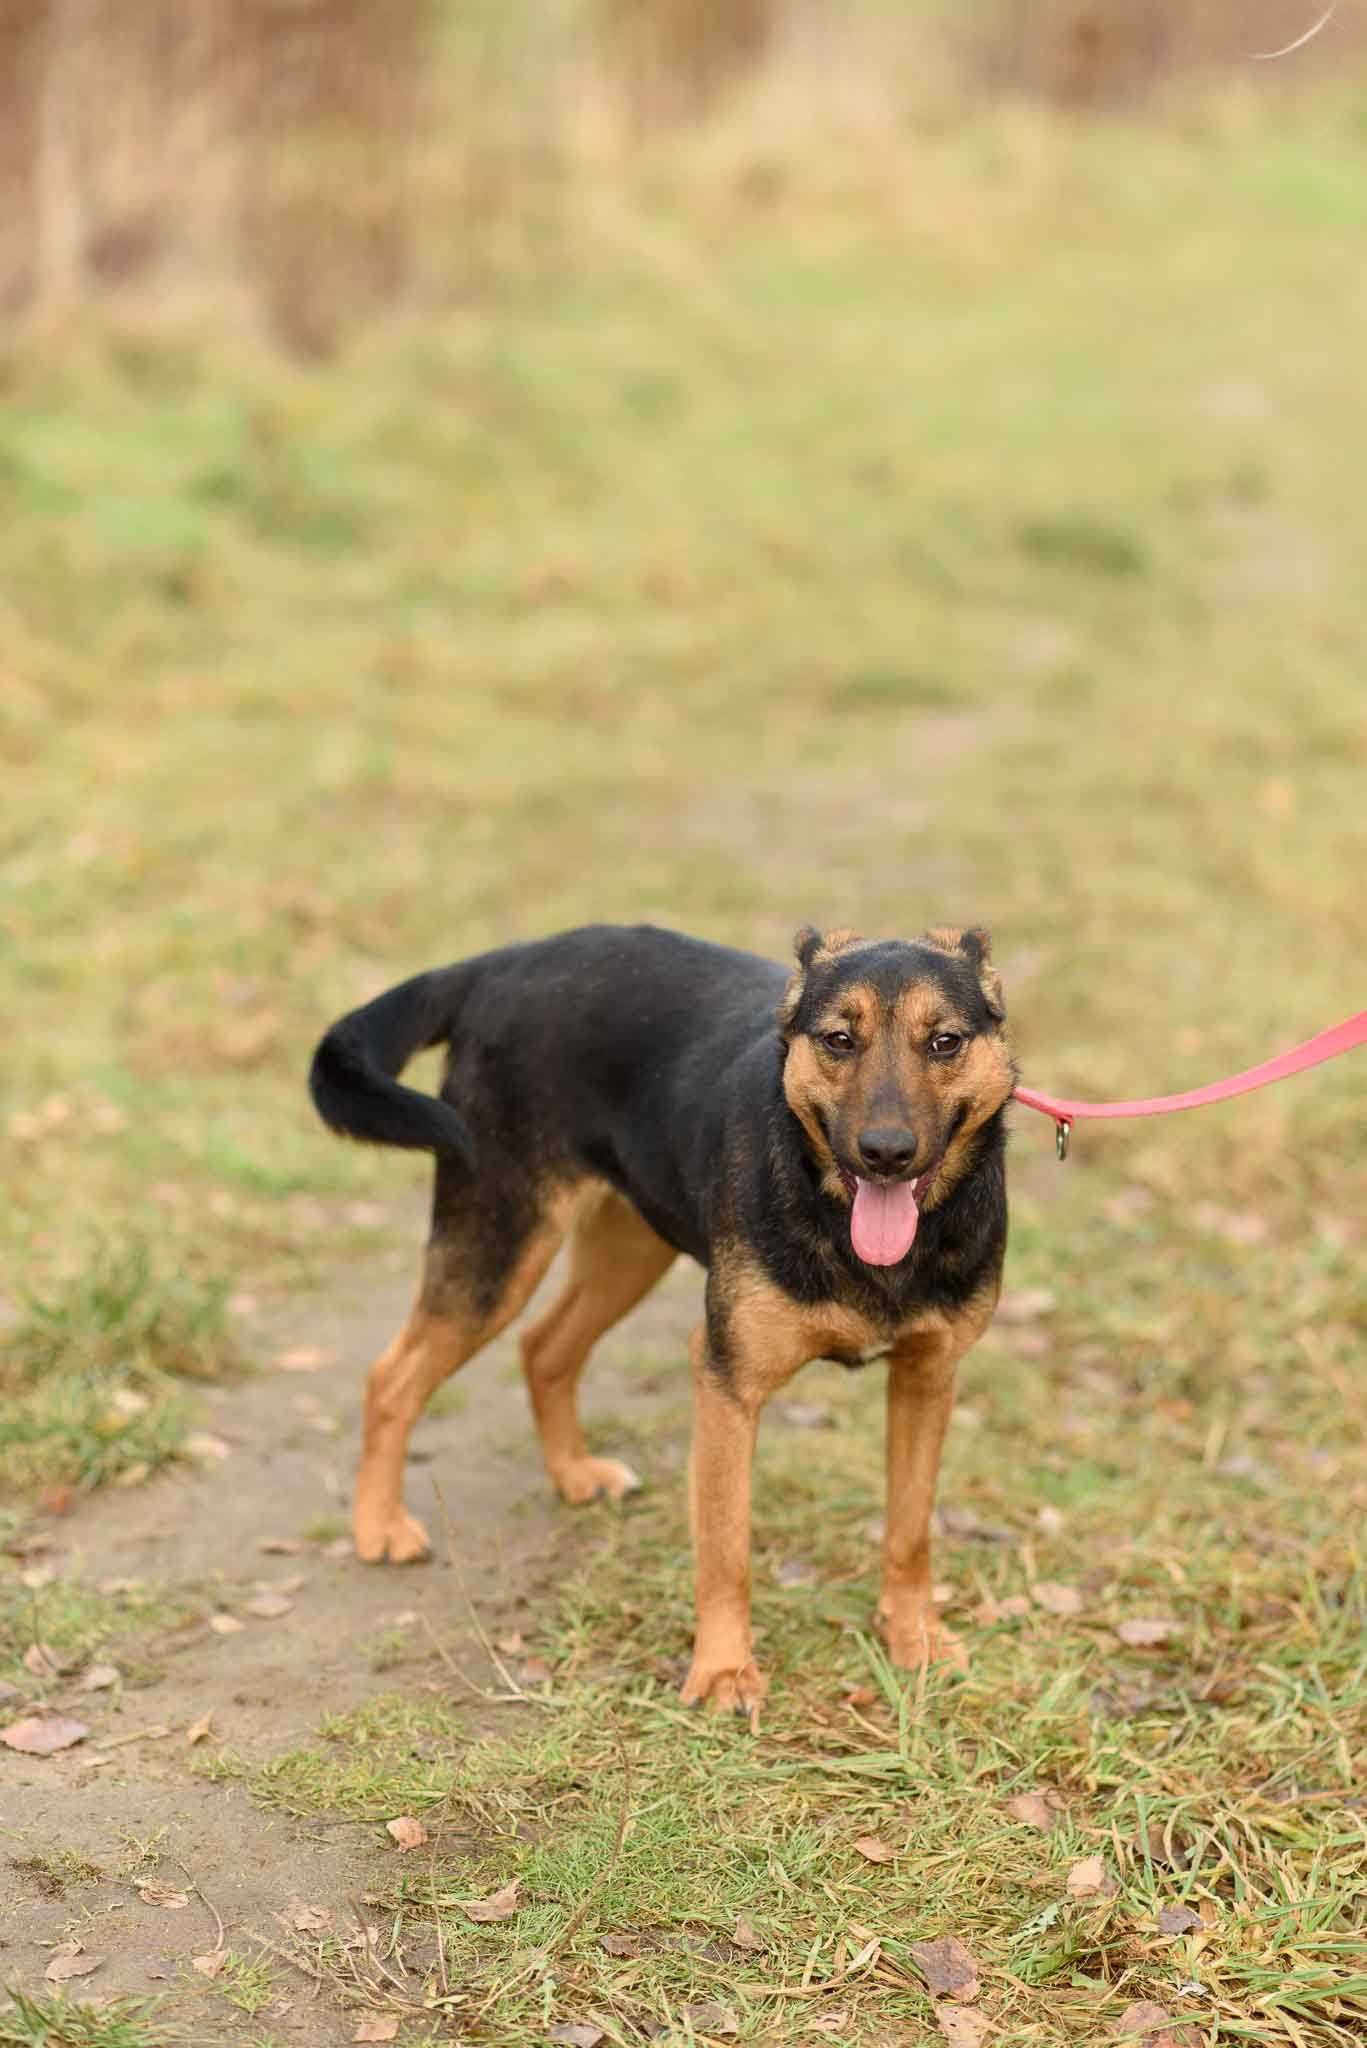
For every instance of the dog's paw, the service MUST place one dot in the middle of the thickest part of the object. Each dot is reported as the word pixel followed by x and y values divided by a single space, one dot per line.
pixel 585 1479
pixel 739 1689
pixel 393 1538
pixel 919 1640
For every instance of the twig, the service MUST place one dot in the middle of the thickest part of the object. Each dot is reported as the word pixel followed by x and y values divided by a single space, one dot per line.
pixel 209 1905
pixel 577 1917
pixel 372 1951
pixel 1270 56
pixel 436 1921
pixel 156 1734
pixel 295 1962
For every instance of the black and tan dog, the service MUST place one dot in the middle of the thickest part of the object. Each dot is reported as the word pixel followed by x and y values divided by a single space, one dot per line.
pixel 828 1143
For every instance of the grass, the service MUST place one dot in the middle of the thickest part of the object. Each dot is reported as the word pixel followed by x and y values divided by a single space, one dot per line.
pixel 59 2022
pixel 950 531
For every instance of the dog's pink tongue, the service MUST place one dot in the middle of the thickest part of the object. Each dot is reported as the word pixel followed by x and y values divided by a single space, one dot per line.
pixel 883 1221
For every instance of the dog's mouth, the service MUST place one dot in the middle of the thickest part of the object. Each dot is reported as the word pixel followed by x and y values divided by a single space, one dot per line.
pixel 886 1214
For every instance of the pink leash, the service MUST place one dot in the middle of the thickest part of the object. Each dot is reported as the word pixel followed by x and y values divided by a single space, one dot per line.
pixel 1327 1045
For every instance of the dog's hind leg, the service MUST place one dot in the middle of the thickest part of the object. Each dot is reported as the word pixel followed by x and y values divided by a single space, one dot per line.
pixel 483 1265
pixel 615 1259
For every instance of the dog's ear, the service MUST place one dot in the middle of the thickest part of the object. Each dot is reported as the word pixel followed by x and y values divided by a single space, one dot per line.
pixel 810 946
pixel 975 945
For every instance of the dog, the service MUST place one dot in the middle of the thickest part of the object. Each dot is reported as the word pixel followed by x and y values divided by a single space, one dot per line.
pixel 827 1140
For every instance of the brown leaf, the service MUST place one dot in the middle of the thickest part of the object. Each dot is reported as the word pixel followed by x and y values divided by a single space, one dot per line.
pixel 1090 1879
pixel 407 1832
pixel 163 1895
pixel 1152 1843
pixel 1035 1810
pixel 1174 1920
pixel 42 1661
pixel 1146 2025
pixel 535 1671
pixel 378 2026
pixel 68 1961
pixel 948 1968
pixel 746 1937
pixel 304 1358
pixel 500 1905
pixel 100 1677
pixel 201 1444
pixel 1142 1633
pixel 42 1734
pixel 961 2026
pixel 212 1965
pixel 991 1610
pixel 309 1919
pixel 511 1645
pixel 860 1696
pixel 1056 1599
pixel 874 1849
pixel 621 1944
pixel 708 2017
pixel 280 1546
pixel 269 1606
pixel 226 1624
pixel 1025 1305
pixel 200 1730
pixel 578 2033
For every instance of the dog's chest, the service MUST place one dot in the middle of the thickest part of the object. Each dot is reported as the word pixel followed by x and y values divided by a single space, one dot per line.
pixel 854 1340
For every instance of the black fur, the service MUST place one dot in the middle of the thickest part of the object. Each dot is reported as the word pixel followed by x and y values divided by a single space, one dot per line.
pixel 656 1062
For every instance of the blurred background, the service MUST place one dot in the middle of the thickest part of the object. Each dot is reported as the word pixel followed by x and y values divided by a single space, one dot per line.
pixel 466 469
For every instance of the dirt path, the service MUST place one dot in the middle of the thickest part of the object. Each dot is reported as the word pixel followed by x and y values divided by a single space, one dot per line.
pixel 82 1831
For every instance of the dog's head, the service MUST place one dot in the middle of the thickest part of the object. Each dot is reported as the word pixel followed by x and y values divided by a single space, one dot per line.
pixel 896 1055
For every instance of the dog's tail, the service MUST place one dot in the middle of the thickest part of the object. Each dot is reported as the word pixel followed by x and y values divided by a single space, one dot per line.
pixel 353 1082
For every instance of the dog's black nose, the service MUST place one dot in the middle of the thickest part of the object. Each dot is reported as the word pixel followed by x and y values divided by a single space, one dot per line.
pixel 887 1148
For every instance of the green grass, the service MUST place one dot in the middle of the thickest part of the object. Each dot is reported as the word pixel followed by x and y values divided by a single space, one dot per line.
pixel 73 1620
pixel 59 2022
pixel 966 529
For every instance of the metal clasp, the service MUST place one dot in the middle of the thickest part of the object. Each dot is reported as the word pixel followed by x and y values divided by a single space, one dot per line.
pixel 1063 1131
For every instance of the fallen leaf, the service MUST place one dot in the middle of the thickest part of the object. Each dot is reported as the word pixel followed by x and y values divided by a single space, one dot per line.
pixel 128 1401
pixel 746 1937
pixel 578 2033
pixel 1174 1920
pixel 860 1696
pixel 68 1961
pixel 874 1849
pixel 163 1895
pixel 200 1444
pixel 500 1905
pixel 37 1576
pixel 621 1944
pixel 1035 1810
pixel 304 1358
pixel 535 1671
pixel 708 2017
pixel 43 1734
pixel 961 2026
pixel 794 1571
pixel 280 1546
pixel 100 1677
pixel 1090 1879
pixel 309 1919
pixel 56 1500
pixel 132 1475
pixel 161 1969
pixel 1025 1305
pixel 378 2026
pixel 1056 1599
pixel 511 1645
pixel 806 1415
pixel 1152 1843
pixel 269 1606
pixel 407 1832
pixel 964 1523
pixel 41 1661
pixel 200 1730
pixel 226 1624
pixel 1141 1633
pixel 1147 2025
pixel 990 1610
pixel 948 1968
pixel 212 1965
pixel 1050 1520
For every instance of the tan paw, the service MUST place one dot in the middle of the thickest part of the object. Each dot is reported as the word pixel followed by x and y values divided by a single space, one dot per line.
pixel 393 1538
pixel 919 1641
pixel 585 1479
pixel 735 1690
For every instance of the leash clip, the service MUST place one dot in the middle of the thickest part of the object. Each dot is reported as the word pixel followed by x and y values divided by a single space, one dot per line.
pixel 1063 1131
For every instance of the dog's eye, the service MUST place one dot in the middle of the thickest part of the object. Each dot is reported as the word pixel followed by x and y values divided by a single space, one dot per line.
pixel 837 1041
pixel 945 1044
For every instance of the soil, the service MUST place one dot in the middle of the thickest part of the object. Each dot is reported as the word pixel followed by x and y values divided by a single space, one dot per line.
pixel 128 1802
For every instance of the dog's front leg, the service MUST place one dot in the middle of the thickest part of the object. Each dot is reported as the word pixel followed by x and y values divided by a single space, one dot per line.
pixel 726 1409
pixel 920 1397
